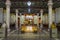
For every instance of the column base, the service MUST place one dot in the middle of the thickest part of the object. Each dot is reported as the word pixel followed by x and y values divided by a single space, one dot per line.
pixel 8 30
pixel 54 33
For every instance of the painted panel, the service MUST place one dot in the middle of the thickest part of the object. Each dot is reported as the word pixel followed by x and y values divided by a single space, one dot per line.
pixel 35 19
pixel 22 19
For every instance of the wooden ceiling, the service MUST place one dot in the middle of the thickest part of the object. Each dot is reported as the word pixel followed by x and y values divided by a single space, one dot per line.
pixel 35 6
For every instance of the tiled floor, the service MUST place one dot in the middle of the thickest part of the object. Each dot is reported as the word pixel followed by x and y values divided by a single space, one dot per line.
pixel 29 36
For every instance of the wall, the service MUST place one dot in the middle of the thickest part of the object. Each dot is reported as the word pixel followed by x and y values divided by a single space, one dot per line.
pixel 1 15
pixel 46 17
pixel 57 10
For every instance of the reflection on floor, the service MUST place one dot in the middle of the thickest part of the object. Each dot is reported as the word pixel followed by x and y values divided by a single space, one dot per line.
pixel 16 35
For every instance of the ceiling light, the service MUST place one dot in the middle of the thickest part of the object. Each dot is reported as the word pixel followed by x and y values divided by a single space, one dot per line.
pixel 28 3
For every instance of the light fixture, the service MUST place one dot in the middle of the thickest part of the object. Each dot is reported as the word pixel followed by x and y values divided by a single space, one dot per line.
pixel 28 3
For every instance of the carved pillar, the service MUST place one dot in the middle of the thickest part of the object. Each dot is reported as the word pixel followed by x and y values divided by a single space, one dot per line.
pixel 41 11
pixel 8 3
pixel 50 12
pixel 17 19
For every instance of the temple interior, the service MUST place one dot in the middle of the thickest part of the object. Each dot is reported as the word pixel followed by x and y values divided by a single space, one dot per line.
pixel 29 19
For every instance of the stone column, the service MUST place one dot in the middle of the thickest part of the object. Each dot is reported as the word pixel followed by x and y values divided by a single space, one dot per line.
pixel 37 20
pixel 50 12
pixel 17 19
pixel 20 18
pixel 41 11
pixel 52 27
pixel 8 3
pixel 50 17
